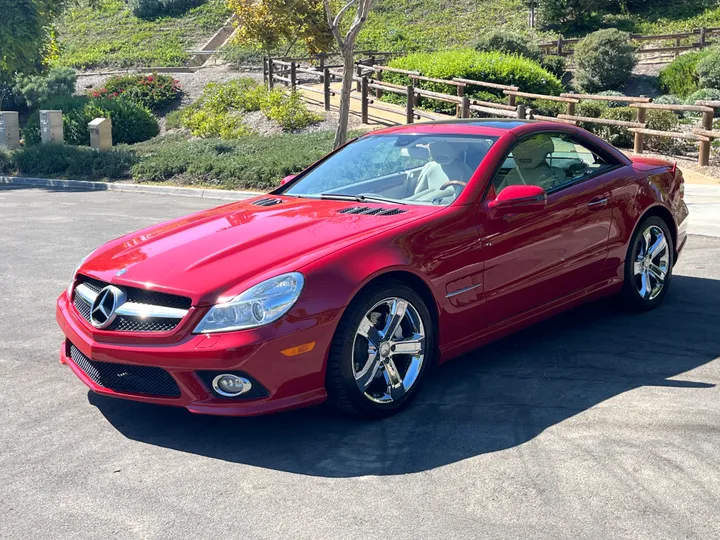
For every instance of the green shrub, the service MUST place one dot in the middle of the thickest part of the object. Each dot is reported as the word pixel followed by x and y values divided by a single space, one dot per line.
pixel 604 60
pixel 591 108
pixel 238 55
pixel 544 107
pixel 155 92
pixel 704 94
pixel 74 161
pixel 509 43
pixel 35 90
pixel 7 161
pixel 252 162
pixel 680 77
pixel 219 111
pixel 288 109
pixel 155 8
pixel 668 99
pixel 131 123
pixel 570 12
pixel 708 71
pixel 469 64
pixel 655 119
pixel 611 93
pixel 617 135
pixel 554 64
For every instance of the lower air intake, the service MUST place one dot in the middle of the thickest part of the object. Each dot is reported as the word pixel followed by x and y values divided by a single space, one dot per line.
pixel 125 378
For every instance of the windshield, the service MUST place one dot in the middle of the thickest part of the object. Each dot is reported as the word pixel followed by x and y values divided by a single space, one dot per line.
pixel 406 169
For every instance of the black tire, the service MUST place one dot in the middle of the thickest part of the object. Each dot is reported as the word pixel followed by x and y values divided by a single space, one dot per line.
pixel 631 294
pixel 344 395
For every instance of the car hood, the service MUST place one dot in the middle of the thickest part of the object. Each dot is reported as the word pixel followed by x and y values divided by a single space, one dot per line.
pixel 222 251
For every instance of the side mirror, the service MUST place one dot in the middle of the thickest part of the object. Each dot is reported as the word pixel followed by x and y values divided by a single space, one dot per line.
pixel 287 179
pixel 518 200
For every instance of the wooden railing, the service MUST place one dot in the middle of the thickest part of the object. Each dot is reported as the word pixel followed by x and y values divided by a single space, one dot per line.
pixel 558 47
pixel 368 78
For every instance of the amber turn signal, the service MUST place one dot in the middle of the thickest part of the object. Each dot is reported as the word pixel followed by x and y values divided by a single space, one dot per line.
pixel 300 349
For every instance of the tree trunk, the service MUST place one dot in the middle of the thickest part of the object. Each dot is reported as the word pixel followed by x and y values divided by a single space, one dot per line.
pixel 348 72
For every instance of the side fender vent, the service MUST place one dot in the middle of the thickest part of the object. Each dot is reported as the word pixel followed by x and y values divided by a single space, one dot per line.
pixel 368 211
pixel 267 202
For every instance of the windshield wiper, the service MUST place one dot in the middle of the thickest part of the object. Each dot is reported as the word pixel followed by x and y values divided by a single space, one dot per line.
pixel 358 198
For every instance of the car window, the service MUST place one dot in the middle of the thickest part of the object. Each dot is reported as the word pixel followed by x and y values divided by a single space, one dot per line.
pixel 427 169
pixel 550 161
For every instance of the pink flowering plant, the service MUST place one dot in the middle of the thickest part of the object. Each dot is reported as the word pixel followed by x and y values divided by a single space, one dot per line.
pixel 155 92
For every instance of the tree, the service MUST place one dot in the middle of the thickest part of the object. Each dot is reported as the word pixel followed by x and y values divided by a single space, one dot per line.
pixel 24 33
pixel 346 44
pixel 268 24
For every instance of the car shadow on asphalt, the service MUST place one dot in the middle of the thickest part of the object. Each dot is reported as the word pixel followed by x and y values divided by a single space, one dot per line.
pixel 492 399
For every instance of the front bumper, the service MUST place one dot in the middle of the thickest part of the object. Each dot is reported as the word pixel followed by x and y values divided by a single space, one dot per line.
pixel 289 381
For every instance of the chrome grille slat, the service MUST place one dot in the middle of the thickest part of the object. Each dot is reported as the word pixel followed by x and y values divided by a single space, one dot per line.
pixel 133 316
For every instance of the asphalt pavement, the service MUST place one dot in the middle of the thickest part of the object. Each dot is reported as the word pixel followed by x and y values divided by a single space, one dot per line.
pixel 595 424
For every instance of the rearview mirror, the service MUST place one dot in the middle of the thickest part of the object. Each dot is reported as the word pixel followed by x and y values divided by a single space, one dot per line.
pixel 517 200
pixel 287 179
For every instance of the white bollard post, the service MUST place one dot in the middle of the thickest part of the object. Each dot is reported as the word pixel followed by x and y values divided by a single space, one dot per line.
pixel 9 130
pixel 51 127
pixel 101 133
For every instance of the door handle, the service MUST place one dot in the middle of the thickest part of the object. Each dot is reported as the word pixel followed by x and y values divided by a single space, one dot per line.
pixel 598 204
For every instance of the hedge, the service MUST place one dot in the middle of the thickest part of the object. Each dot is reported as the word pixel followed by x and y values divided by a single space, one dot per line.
pixel 494 67
pixel 680 78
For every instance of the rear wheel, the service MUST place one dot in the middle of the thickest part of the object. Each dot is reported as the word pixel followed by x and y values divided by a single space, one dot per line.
pixel 381 350
pixel 648 266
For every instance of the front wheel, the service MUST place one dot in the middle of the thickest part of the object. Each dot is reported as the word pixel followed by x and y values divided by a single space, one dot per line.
pixel 649 264
pixel 381 350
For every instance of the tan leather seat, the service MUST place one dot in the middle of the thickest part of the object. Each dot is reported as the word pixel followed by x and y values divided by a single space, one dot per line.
pixel 531 167
pixel 445 166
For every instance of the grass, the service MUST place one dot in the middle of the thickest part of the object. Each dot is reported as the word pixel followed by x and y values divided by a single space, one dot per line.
pixel 411 25
pixel 108 34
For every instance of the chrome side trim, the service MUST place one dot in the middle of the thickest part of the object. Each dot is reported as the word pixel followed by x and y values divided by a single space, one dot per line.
pixel 464 290
pixel 133 309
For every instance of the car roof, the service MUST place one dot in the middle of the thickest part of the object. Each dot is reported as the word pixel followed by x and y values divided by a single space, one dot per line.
pixel 477 126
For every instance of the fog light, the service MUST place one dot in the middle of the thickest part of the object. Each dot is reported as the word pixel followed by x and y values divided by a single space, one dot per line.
pixel 231 385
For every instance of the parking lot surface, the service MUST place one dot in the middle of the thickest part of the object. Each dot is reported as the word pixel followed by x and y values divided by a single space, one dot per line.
pixel 595 424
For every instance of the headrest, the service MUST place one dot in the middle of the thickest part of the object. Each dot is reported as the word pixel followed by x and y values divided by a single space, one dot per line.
pixel 532 152
pixel 418 152
pixel 443 152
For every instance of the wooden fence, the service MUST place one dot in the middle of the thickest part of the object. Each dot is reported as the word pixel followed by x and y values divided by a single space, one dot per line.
pixel 369 87
pixel 696 39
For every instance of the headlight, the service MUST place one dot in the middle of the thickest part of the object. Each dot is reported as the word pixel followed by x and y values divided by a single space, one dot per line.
pixel 72 279
pixel 262 304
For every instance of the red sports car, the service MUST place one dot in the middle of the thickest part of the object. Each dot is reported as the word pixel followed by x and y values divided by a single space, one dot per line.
pixel 403 249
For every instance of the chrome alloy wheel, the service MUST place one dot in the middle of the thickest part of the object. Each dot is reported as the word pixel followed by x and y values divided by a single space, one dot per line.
pixel 388 350
pixel 652 262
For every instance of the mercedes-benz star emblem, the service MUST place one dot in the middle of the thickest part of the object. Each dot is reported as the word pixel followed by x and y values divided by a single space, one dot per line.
pixel 104 308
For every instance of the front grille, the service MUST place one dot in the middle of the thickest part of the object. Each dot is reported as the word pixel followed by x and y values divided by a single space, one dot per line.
pixel 369 211
pixel 140 296
pixel 125 378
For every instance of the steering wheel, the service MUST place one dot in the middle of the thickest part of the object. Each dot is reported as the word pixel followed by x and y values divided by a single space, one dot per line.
pixel 449 183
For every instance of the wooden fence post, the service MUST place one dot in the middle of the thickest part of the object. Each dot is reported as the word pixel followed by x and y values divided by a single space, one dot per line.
pixel 271 75
pixel 511 100
pixel 321 63
pixel 378 92
pixel 559 46
pixel 326 88
pixel 571 106
pixel 521 112
pixel 359 71
pixel 465 107
pixel 704 157
pixel 265 70
pixel 415 84
pixel 639 137
pixel 364 100
pixel 459 108
pixel 702 37
pixel 293 75
pixel 409 112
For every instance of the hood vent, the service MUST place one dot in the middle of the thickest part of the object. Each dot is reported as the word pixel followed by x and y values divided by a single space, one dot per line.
pixel 267 202
pixel 368 211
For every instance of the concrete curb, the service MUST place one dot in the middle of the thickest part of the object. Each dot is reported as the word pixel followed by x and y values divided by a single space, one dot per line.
pixel 220 194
